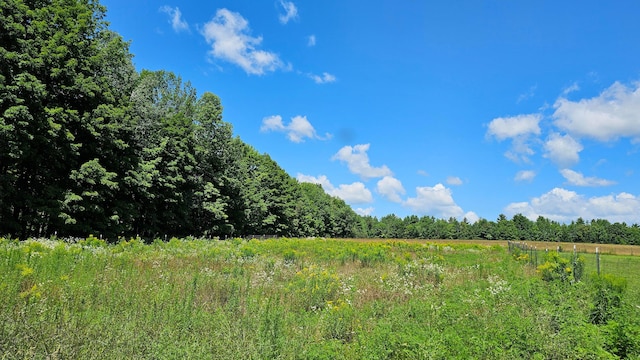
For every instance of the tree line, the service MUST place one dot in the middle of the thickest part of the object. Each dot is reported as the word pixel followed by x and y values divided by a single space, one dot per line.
pixel 519 227
pixel 89 145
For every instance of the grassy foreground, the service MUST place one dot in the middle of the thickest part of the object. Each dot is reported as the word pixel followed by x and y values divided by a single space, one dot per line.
pixel 304 299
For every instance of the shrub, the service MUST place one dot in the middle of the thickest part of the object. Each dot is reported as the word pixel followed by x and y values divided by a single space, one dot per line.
pixel 312 288
pixel 623 337
pixel 555 268
pixel 609 290
pixel 92 241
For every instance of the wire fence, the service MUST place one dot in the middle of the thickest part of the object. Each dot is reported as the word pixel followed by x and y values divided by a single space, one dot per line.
pixel 626 266
pixel 594 261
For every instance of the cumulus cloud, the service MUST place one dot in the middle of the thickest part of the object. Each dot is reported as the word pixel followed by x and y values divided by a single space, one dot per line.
pixel 436 200
pixel 391 188
pixel 563 205
pixel 290 9
pixel 577 179
pixel 297 130
pixel 563 150
pixel 471 217
pixel 515 126
pixel 358 162
pixel 321 180
pixel 519 129
pixel 611 115
pixel 525 175
pixel 520 151
pixel 364 211
pixel 355 193
pixel 230 38
pixel 175 18
pixel 454 180
pixel 323 79
pixel 311 40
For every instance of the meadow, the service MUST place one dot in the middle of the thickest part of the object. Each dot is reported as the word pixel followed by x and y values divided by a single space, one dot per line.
pixel 311 299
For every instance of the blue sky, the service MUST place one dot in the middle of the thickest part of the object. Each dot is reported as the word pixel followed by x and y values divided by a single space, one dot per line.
pixel 450 109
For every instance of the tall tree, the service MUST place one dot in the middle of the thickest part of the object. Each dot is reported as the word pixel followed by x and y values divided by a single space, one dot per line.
pixel 164 109
pixel 60 116
pixel 213 156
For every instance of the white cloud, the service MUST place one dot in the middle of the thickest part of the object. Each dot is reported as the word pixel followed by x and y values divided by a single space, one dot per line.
pixel 321 180
pixel 564 205
pixel 563 150
pixel 391 188
pixel 471 216
pixel 519 129
pixel 311 40
pixel 571 88
pixel 297 130
pixel 436 200
pixel 229 35
pixel 520 151
pixel 454 180
pixel 175 18
pixel 358 162
pixel 323 79
pixel 525 175
pixel 291 11
pixel 364 212
pixel 355 193
pixel 613 114
pixel 577 179
pixel 515 126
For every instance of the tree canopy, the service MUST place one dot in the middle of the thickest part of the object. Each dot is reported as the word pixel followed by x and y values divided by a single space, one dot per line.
pixel 89 145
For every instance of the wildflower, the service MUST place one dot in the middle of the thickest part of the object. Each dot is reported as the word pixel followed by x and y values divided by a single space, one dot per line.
pixel 31 293
pixel 25 270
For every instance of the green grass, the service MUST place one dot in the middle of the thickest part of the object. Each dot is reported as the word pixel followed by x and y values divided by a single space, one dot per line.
pixel 625 266
pixel 299 299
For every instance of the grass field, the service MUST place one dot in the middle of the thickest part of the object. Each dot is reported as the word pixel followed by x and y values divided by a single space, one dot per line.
pixel 306 299
pixel 612 249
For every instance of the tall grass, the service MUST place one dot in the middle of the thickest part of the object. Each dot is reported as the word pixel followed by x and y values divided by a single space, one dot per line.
pixel 291 299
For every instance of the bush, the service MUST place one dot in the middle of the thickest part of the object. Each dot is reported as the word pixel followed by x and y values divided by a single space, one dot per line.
pixel 623 336
pixel 609 290
pixel 312 288
pixel 555 268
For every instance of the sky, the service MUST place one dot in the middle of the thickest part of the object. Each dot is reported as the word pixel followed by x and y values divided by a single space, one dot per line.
pixel 465 109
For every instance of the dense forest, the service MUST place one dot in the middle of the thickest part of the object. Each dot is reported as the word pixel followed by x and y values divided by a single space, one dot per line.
pixel 90 145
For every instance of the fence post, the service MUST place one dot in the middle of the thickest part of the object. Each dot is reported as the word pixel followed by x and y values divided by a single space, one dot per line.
pixel 598 261
pixel 531 254
pixel 574 262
